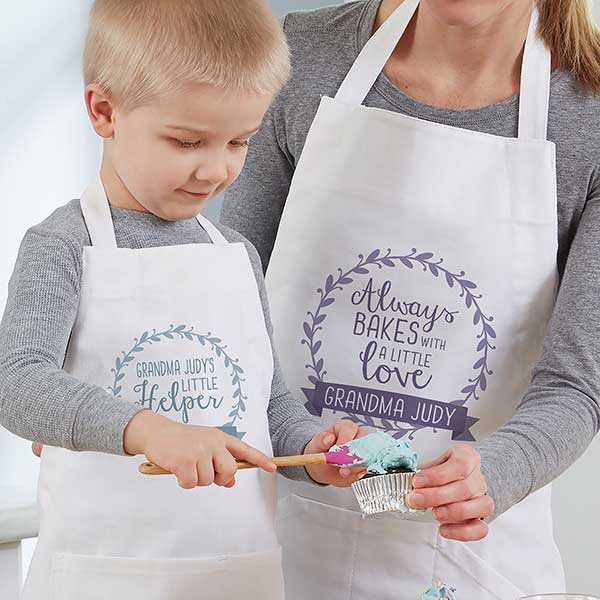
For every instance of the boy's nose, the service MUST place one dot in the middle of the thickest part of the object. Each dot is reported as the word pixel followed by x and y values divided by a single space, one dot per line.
pixel 213 171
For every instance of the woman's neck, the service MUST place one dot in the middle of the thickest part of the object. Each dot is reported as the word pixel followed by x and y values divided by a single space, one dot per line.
pixel 459 65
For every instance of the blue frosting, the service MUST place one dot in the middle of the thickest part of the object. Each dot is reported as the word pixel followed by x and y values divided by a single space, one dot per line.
pixel 379 452
pixel 439 591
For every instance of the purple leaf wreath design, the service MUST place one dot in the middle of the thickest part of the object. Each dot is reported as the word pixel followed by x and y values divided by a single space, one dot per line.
pixel 185 332
pixel 428 262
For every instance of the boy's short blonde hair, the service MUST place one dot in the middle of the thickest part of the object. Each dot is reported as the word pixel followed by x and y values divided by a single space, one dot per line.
pixel 138 50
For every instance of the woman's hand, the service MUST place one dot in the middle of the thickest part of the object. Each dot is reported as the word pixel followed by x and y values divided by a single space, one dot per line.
pixel 197 456
pixel 455 488
pixel 341 432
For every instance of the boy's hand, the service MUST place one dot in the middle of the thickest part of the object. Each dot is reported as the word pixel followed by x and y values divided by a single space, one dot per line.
pixel 340 432
pixel 36 448
pixel 197 456
pixel 454 486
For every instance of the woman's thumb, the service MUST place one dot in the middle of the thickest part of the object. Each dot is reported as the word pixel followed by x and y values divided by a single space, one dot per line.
pixel 326 440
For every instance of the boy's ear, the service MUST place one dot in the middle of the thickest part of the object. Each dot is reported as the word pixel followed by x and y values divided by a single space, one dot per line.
pixel 100 109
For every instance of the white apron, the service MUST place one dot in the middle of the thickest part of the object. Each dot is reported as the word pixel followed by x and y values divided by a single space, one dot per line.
pixel 411 283
pixel 179 330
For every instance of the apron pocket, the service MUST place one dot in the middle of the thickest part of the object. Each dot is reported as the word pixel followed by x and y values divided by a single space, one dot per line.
pixel 254 576
pixel 313 535
pixel 333 553
pixel 460 567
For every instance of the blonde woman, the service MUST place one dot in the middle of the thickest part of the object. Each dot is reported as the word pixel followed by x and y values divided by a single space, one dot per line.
pixel 418 191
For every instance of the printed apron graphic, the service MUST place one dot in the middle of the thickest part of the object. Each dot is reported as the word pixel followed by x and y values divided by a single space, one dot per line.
pixel 196 384
pixel 398 321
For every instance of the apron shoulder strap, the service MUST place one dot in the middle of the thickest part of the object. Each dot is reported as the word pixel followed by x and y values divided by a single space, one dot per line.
pixel 97 217
pixel 535 73
pixel 214 234
pixel 98 220
pixel 375 54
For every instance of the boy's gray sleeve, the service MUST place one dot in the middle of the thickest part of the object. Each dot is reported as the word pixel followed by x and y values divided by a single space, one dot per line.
pixel 38 400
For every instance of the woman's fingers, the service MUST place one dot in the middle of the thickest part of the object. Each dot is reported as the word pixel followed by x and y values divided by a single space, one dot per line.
pixel 244 452
pixel 356 473
pixel 459 463
pixel 459 491
pixel 469 531
pixel 344 431
pixel 342 480
pixel 438 461
pixel 476 508
pixel 455 488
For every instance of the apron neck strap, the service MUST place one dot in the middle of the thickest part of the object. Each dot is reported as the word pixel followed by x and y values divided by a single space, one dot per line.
pixel 97 217
pixel 99 223
pixel 216 237
pixel 535 72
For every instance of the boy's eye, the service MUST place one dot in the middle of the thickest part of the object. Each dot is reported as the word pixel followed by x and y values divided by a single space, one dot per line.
pixel 194 145
pixel 240 143
pixel 184 144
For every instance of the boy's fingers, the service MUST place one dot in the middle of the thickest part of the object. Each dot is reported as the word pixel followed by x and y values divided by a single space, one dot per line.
pixel 206 473
pixel 243 451
pixel 225 468
pixel 187 475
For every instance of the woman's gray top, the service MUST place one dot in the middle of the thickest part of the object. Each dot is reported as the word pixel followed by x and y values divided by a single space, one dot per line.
pixel 560 414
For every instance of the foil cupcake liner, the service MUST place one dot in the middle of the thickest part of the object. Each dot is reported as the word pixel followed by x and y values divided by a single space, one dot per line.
pixel 383 493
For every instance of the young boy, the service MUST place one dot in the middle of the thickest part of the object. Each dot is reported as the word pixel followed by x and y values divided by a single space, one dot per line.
pixel 136 327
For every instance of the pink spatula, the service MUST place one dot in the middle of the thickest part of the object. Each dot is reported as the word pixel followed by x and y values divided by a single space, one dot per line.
pixel 339 458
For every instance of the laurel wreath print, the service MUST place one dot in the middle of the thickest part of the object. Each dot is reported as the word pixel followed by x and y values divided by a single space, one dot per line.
pixel 184 332
pixel 435 267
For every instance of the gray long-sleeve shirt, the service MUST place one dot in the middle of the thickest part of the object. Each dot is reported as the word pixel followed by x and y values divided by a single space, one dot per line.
pixel 41 402
pixel 560 414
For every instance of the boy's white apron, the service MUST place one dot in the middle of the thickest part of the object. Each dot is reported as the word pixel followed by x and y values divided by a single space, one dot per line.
pixel 411 283
pixel 179 329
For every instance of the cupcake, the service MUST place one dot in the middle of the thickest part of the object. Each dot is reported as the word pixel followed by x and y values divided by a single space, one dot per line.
pixel 391 465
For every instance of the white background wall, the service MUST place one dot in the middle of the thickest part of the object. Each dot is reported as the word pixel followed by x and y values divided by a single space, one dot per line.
pixel 49 153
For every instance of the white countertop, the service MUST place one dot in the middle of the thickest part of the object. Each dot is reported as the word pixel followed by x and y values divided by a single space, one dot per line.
pixel 18 514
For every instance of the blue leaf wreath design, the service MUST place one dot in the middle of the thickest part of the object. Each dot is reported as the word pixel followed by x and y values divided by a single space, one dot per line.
pixel 185 332
pixel 428 262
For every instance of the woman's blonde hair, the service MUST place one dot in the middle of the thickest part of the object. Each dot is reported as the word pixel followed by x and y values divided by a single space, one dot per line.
pixel 138 50
pixel 568 29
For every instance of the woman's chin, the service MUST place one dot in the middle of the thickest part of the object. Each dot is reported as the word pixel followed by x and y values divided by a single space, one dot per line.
pixel 465 13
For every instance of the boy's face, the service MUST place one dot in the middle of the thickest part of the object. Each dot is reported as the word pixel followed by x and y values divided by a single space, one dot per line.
pixel 171 156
